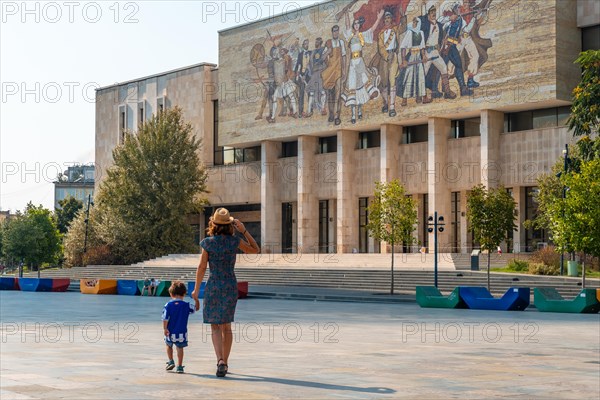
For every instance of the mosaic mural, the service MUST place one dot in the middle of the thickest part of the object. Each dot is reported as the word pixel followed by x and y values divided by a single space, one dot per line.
pixel 413 60
pixel 349 62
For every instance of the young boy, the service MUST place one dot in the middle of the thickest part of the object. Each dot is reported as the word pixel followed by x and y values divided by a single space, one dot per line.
pixel 175 318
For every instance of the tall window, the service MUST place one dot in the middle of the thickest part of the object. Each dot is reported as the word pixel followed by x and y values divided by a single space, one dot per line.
pixel 287 219
pixel 533 237
pixel 196 233
pixel 455 221
pixel 510 234
pixel 363 220
pixel 122 123
pixel 141 113
pixel 425 217
pixel 406 247
pixel 324 226
pixel 160 104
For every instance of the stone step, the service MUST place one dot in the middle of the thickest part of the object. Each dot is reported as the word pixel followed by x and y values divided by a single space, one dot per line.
pixel 413 260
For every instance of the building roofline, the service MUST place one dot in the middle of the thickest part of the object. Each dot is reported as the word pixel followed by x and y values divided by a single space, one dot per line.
pixel 203 64
pixel 318 3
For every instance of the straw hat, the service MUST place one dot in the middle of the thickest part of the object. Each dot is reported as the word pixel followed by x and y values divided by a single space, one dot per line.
pixel 221 217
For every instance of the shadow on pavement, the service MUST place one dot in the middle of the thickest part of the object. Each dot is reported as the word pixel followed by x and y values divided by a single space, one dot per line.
pixel 317 385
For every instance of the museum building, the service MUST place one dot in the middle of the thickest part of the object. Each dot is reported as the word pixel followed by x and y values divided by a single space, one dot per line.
pixel 305 112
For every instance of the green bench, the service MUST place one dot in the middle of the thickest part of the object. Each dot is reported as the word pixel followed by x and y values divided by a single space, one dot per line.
pixel 549 300
pixel 431 297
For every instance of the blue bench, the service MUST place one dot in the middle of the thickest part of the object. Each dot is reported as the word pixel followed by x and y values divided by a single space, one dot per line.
pixel 35 284
pixel 192 286
pixel 8 284
pixel 479 298
pixel 127 287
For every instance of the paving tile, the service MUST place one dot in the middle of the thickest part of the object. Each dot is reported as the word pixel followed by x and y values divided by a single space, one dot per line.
pixel 295 350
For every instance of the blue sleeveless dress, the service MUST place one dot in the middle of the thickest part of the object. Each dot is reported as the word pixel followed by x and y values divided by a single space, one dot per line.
pixel 221 293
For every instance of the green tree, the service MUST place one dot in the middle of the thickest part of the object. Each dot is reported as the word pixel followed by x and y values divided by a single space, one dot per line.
pixel 392 217
pixel 2 228
pixel 585 110
pixel 157 180
pixel 491 215
pixel 69 208
pixel 552 186
pixel 32 237
pixel 575 220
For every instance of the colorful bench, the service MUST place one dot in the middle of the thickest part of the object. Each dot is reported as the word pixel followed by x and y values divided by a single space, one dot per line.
pixel 35 284
pixel 550 300
pixel 9 283
pixel 44 284
pixel 242 289
pixel 192 285
pixel 431 297
pixel 60 284
pixel 98 286
pixel 162 290
pixel 127 287
pixel 479 298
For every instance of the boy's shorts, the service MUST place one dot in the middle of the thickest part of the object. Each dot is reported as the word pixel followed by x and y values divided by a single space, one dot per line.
pixel 170 343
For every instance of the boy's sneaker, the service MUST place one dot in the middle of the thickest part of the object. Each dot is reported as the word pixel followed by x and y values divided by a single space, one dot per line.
pixel 179 369
pixel 170 365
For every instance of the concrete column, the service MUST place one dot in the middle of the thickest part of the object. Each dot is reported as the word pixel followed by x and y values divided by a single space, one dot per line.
pixel 270 202
pixel 439 194
pixel 492 125
pixel 391 136
pixel 308 205
pixel 347 201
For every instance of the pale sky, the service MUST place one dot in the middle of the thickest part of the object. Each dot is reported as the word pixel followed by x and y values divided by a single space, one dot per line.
pixel 53 54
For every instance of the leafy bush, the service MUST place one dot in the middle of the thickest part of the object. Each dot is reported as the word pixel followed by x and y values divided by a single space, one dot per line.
pixel 547 256
pixel 542 269
pixel 99 255
pixel 518 265
pixel 591 263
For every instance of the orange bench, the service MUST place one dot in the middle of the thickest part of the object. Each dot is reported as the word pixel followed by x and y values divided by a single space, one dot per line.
pixel 98 286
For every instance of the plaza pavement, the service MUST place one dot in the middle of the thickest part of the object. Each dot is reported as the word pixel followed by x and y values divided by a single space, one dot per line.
pixel 73 346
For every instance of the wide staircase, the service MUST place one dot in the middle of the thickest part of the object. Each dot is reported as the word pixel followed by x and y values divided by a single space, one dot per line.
pixel 350 271
pixel 412 261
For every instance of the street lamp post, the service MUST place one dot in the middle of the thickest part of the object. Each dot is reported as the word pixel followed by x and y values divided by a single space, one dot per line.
pixel 87 220
pixel 564 196
pixel 436 224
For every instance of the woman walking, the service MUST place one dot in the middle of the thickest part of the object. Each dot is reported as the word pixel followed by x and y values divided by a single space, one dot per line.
pixel 219 251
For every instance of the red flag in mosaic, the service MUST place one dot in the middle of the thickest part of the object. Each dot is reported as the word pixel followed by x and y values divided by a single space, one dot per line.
pixel 372 7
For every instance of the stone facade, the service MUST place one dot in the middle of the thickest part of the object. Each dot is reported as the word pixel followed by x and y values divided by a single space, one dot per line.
pixel 529 48
pixel 309 201
pixel 122 107
pixel 588 13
